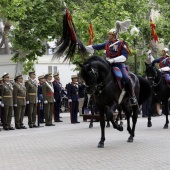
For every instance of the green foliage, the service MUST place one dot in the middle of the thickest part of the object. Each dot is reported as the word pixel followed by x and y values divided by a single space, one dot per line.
pixel 39 21
pixel 36 22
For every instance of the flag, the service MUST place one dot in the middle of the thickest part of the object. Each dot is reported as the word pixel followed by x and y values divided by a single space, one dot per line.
pixel 153 32
pixel 71 26
pixel 91 34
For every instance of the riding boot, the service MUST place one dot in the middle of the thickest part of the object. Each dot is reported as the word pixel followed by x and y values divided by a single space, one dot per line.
pixel 129 87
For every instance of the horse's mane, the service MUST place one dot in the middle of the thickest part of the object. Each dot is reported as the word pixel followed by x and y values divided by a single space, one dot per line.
pixel 96 58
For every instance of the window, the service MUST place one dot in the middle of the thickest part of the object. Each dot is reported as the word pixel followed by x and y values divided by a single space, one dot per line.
pixel 55 69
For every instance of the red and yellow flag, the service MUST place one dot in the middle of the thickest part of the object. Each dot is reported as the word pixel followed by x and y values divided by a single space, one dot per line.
pixel 90 30
pixel 153 32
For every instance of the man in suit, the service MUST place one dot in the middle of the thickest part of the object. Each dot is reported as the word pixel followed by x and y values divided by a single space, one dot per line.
pixel 48 98
pixel 19 98
pixel 31 98
pixel 57 97
pixel 81 92
pixel 40 99
pixel 72 94
pixel 7 102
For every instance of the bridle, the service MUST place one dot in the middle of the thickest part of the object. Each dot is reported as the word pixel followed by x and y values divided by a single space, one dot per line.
pixel 154 78
pixel 98 88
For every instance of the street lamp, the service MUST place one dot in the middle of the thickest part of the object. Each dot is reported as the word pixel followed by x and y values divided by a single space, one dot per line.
pixel 135 32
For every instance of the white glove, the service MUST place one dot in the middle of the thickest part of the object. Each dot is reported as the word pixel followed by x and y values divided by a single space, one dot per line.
pixel 45 102
pixel 90 49
pixel 119 59
pixel 69 100
pixel 39 101
pixel 111 60
pixel 164 69
pixel 2 104
pixel 54 100
pixel 15 105
pixel 27 102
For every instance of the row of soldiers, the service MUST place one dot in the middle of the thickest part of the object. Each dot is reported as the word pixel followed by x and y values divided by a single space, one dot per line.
pixel 15 97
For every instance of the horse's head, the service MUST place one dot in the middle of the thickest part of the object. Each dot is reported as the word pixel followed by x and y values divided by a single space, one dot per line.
pixel 90 76
pixel 93 71
pixel 151 73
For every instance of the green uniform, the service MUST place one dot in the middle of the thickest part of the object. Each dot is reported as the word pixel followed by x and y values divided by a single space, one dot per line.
pixel 31 96
pixel 19 97
pixel 48 95
pixel 7 100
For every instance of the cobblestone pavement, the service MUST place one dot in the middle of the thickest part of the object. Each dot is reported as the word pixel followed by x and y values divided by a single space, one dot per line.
pixel 74 147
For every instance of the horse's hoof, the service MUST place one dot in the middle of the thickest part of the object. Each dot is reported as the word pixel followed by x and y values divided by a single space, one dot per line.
pixel 108 125
pixel 120 128
pixel 165 126
pixel 91 125
pixel 150 124
pixel 130 139
pixel 100 145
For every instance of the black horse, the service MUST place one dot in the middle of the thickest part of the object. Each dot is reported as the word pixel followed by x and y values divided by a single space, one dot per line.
pixel 160 89
pixel 100 81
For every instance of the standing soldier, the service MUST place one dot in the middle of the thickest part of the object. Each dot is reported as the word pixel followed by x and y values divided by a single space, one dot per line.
pixel 57 97
pixel 40 99
pixel 1 111
pixel 31 98
pixel 48 98
pixel 19 97
pixel 72 94
pixel 7 102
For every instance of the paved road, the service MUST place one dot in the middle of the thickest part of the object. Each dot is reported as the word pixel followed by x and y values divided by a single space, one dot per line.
pixel 74 147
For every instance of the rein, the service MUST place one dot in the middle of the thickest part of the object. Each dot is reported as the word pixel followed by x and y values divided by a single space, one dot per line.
pixel 156 84
pixel 99 87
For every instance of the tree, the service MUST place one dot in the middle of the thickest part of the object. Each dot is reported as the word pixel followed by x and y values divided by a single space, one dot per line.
pixel 103 15
pixel 38 22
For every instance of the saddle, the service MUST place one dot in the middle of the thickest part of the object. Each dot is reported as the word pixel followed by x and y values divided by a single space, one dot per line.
pixel 118 74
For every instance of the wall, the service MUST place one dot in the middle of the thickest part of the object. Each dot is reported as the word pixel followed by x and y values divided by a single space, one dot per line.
pixel 64 68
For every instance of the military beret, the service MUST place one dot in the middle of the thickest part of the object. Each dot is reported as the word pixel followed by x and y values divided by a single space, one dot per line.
pixel 5 75
pixel 40 77
pixel 31 72
pixel 74 76
pixel 16 77
pixel 56 74
pixel 48 74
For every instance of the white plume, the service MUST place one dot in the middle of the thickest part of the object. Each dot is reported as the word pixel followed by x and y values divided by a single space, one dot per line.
pixel 122 26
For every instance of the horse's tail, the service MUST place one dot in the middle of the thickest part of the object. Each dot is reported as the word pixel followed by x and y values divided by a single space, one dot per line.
pixel 145 90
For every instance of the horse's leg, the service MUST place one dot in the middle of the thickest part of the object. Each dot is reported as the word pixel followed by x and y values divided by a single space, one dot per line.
pixel 134 120
pixel 107 111
pixel 166 110
pixel 120 116
pixel 107 120
pixel 102 126
pixel 110 118
pixel 149 107
pixel 92 117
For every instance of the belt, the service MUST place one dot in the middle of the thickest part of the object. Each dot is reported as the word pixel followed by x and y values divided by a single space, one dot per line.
pixel 20 97
pixel 7 96
pixel 32 94
pixel 49 94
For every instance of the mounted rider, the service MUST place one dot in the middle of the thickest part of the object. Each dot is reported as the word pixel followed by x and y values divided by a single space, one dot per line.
pixel 164 64
pixel 164 61
pixel 117 53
